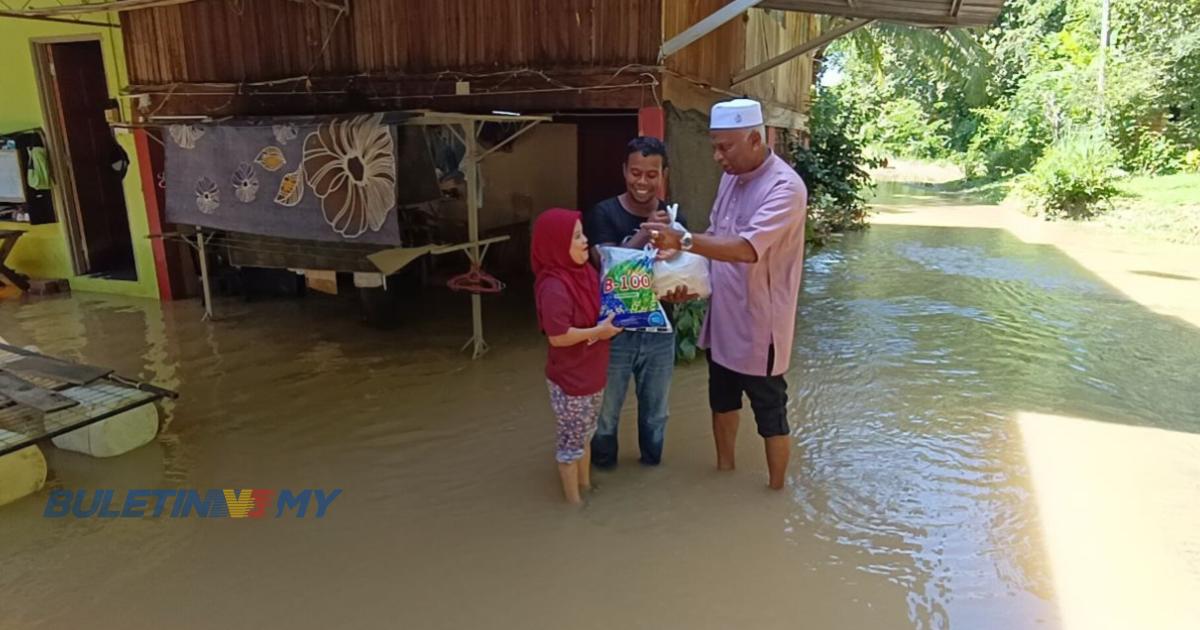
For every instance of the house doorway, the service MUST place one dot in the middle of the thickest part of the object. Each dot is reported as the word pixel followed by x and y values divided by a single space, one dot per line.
pixel 602 142
pixel 87 161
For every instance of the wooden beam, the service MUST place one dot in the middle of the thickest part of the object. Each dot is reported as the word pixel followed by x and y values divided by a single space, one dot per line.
pixel 712 22
pixel 799 50
pixel 559 90
pixel 955 7
pixel 42 18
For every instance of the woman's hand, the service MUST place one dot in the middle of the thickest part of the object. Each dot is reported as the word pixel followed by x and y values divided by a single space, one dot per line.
pixel 605 329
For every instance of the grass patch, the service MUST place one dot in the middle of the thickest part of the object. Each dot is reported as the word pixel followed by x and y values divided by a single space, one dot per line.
pixel 1179 189
pixel 1165 207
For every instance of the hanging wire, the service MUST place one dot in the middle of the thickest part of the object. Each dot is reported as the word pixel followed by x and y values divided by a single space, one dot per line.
pixel 133 5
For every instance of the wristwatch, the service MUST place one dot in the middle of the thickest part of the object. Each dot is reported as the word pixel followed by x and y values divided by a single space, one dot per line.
pixel 685 241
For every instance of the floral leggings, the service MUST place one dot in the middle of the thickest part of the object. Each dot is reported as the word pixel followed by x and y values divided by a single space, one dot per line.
pixel 576 421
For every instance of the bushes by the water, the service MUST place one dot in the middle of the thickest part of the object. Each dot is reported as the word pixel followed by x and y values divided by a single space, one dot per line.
pixel 1008 140
pixel 1191 161
pixel 1075 178
pixel 998 97
pixel 831 166
pixel 1155 154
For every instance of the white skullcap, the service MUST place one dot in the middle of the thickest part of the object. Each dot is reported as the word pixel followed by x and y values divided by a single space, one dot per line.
pixel 740 113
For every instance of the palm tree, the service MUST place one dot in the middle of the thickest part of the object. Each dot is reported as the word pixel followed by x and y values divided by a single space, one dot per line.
pixel 954 56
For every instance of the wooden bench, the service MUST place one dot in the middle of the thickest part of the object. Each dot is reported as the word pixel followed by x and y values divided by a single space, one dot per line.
pixel 8 240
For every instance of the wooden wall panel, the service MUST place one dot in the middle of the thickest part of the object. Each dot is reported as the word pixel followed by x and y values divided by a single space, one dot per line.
pixel 743 42
pixel 218 41
pixel 423 36
pixel 714 58
pixel 769 33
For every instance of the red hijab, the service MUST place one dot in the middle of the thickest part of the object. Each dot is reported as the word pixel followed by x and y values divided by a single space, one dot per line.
pixel 550 255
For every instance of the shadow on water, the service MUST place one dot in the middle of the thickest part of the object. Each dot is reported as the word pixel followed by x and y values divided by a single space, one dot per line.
pixel 1168 276
pixel 910 502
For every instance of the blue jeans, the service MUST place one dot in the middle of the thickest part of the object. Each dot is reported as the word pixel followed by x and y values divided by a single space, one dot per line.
pixel 650 359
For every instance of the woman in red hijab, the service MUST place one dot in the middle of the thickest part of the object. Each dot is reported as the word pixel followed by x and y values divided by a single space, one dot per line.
pixel 567 290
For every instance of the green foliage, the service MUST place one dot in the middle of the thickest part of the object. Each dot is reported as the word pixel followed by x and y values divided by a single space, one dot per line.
pixel 1008 141
pixel 999 97
pixel 689 317
pixel 1154 74
pixel 1191 161
pixel 1075 178
pixel 1155 154
pixel 905 129
pixel 831 166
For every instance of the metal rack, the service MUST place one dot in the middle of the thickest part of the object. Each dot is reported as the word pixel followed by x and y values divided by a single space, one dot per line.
pixel 105 397
pixel 466 127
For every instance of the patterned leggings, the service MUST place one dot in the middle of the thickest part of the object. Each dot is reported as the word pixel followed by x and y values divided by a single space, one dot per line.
pixel 576 421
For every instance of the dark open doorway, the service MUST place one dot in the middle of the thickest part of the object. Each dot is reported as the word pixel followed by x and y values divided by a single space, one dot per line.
pixel 88 162
pixel 602 141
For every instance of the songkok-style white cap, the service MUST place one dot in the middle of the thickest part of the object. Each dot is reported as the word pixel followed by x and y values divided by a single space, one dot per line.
pixel 740 113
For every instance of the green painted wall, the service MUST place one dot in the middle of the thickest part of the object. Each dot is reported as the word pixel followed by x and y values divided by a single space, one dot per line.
pixel 43 251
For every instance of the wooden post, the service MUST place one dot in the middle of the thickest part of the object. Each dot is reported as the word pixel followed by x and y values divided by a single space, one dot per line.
pixel 1104 17
pixel 652 122
pixel 208 305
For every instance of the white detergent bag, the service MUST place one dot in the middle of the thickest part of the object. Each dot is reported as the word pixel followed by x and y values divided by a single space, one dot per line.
pixel 686 269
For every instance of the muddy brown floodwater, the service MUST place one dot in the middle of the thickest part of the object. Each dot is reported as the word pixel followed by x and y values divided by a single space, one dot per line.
pixel 911 502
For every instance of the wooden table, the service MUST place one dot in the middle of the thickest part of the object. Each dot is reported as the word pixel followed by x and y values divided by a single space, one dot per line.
pixel 8 240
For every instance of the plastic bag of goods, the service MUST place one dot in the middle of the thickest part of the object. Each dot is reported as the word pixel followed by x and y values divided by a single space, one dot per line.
pixel 627 290
pixel 686 269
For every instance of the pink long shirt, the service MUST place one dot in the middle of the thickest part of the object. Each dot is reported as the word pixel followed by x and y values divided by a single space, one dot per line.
pixel 753 305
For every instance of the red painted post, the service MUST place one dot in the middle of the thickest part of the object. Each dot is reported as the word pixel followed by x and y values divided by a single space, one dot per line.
pixel 142 141
pixel 652 122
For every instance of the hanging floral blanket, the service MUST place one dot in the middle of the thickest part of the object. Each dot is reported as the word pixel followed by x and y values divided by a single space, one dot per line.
pixel 315 178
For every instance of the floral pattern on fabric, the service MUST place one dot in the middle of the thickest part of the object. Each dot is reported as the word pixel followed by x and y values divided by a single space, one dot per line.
pixel 271 158
pixel 291 188
pixel 185 135
pixel 285 133
pixel 245 183
pixel 350 165
pixel 576 417
pixel 208 196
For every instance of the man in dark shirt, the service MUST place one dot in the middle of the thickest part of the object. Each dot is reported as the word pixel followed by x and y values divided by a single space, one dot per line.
pixel 647 356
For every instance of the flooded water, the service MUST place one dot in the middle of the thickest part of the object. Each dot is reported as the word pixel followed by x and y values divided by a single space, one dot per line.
pixel 909 504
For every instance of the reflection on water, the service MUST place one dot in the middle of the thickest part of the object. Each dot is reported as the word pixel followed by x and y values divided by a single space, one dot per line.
pixel 910 504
